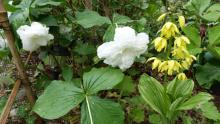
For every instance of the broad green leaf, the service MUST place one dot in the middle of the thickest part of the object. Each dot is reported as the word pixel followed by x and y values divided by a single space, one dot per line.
pixel 121 19
pixel 195 101
pixel 207 74
pixel 212 13
pixel 154 94
pixel 193 34
pixel 214 35
pixel 193 49
pixel 101 79
pixel 67 73
pixel 180 88
pixel 109 33
pixel 101 111
pixel 88 19
pixel 19 18
pixel 58 99
pixel 24 4
pixel 126 86
pixel 46 2
pixel 210 111
pixel 197 6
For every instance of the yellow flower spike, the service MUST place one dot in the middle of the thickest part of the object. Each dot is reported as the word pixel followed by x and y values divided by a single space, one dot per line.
pixel 181 20
pixel 160 44
pixel 156 62
pixel 161 17
pixel 169 29
pixel 171 64
pixel 181 41
pixel 163 66
pixel 181 76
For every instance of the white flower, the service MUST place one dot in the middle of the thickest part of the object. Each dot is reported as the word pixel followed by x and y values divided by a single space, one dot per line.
pixel 34 36
pixel 124 49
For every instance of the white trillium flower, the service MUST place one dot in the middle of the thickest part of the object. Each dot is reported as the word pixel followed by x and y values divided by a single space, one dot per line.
pixel 34 36
pixel 127 45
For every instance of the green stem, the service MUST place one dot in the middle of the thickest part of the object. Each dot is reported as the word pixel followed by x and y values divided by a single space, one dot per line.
pixel 89 109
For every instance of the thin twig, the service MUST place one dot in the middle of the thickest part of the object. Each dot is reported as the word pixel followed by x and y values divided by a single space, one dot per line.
pixel 10 101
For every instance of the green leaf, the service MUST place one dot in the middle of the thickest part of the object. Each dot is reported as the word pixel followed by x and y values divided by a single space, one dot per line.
pixel 212 13
pixel 109 33
pixel 24 4
pixel 47 2
pixel 126 86
pixel 180 88
pixel 193 34
pixel 155 119
pixel 197 6
pixel 88 19
pixel 187 120
pixel 67 73
pixel 137 115
pixel 3 101
pixel 58 99
pixel 121 19
pixel 101 111
pixel 214 35
pixel 210 111
pixel 101 79
pixel 85 49
pixel 154 94
pixel 195 101
pixel 207 74
pixel 19 18
pixel 49 21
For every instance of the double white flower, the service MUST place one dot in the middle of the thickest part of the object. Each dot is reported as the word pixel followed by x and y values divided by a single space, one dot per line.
pixel 34 36
pixel 127 45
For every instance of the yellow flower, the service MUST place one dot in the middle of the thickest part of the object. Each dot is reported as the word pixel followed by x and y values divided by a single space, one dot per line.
pixel 181 41
pixel 156 62
pixel 181 76
pixel 170 66
pixel 188 61
pixel 161 17
pixel 160 43
pixel 181 20
pixel 180 52
pixel 169 29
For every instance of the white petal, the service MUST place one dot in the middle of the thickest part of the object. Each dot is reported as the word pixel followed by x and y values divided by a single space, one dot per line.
pixel 124 34
pixel 34 36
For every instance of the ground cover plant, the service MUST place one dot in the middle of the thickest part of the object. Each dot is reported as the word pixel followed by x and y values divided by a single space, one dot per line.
pixel 114 61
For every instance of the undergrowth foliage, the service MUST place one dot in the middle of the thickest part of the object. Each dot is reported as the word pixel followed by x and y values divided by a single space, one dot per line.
pixel 118 61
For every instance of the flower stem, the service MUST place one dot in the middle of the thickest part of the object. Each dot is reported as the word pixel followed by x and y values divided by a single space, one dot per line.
pixel 89 109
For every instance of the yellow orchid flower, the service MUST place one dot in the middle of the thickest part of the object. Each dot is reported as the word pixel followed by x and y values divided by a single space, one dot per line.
pixel 188 61
pixel 181 41
pixel 169 29
pixel 160 43
pixel 181 20
pixel 180 52
pixel 173 66
pixel 155 63
pixel 181 76
pixel 161 17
